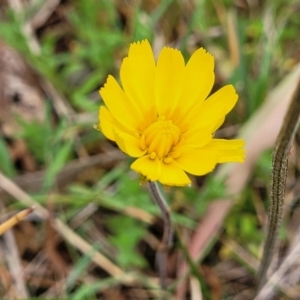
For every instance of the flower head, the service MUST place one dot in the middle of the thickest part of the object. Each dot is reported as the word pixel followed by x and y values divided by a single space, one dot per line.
pixel 163 114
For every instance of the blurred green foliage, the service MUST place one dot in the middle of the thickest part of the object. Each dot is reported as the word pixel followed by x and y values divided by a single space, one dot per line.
pixel 6 164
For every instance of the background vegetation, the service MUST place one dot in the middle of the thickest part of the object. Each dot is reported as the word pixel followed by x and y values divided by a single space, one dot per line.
pixel 95 231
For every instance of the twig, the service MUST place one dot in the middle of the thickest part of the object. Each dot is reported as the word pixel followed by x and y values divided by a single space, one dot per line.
pixel 167 239
pixel 278 183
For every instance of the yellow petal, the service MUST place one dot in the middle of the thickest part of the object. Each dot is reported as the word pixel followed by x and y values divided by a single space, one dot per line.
pixel 119 105
pixel 198 80
pixel 227 150
pixel 197 138
pixel 150 168
pixel 168 81
pixel 214 108
pixel 128 144
pixel 105 123
pixel 217 124
pixel 197 161
pixel 109 125
pixel 137 76
pixel 173 175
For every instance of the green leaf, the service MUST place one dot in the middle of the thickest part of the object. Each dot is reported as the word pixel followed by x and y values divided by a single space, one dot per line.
pixel 6 164
pixel 58 163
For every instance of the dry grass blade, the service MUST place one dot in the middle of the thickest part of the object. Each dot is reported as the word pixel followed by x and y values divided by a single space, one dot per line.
pixel 78 242
pixel 15 219
pixel 86 248
pixel 44 13
pixel 17 7
pixel 33 181
pixel 15 265
pixel 11 188
pixel 275 279
pixel 232 36
pixel 251 262
pixel 196 293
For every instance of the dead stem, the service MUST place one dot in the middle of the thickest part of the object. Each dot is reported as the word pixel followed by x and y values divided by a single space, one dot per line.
pixel 166 243
pixel 278 183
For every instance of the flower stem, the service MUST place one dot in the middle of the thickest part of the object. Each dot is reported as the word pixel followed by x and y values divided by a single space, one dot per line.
pixel 278 184
pixel 161 258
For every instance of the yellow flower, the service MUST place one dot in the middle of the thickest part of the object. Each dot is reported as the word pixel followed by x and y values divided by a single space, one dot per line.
pixel 162 114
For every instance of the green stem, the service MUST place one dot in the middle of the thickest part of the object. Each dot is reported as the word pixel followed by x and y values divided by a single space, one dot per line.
pixel 166 244
pixel 278 184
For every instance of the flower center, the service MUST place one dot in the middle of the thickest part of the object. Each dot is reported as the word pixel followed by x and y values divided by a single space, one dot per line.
pixel 159 138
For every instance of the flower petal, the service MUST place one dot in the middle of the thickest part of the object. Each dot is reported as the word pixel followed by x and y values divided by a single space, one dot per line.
pixel 197 161
pixel 168 80
pixel 109 125
pixel 173 175
pixel 105 123
pixel 198 80
pixel 137 76
pixel 217 124
pixel 119 105
pixel 197 139
pixel 150 168
pixel 128 144
pixel 227 150
pixel 214 108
